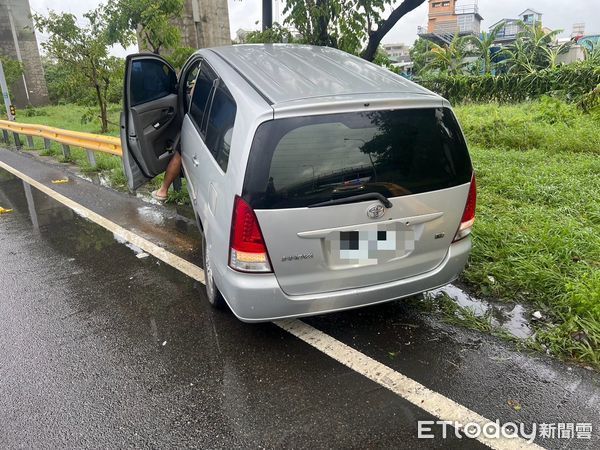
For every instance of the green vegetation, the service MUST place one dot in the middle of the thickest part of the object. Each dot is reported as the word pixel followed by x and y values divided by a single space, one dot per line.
pixel 573 82
pixel 355 26
pixel 13 69
pixel 537 233
pixel 82 54
pixel 151 19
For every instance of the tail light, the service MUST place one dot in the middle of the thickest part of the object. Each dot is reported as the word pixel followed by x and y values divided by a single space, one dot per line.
pixel 247 249
pixel 468 218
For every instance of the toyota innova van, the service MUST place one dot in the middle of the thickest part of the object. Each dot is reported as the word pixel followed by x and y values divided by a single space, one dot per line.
pixel 321 182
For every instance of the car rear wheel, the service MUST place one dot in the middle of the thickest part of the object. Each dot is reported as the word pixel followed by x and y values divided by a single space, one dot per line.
pixel 212 292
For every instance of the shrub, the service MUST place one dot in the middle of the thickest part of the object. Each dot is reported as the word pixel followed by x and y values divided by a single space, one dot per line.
pixel 572 83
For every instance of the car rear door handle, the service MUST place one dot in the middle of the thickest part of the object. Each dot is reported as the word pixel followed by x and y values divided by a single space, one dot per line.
pixel 195 161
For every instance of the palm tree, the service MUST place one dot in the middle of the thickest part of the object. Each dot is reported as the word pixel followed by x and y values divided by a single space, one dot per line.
pixel 448 58
pixel 592 53
pixel 533 49
pixel 483 45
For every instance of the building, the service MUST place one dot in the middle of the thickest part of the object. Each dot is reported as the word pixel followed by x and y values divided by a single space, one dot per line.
pixel 510 28
pixel 203 23
pixel 18 41
pixel 448 18
pixel 397 53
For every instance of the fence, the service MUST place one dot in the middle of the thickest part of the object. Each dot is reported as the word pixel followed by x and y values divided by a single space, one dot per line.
pixel 89 142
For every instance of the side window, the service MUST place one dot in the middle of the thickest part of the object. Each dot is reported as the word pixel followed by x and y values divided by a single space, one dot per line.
pixel 188 83
pixel 201 95
pixel 150 79
pixel 219 128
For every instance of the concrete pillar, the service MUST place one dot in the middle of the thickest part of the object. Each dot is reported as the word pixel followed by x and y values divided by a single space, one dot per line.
pixel 18 41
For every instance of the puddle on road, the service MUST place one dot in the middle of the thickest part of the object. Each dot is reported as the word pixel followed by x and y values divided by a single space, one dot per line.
pixel 96 178
pixel 510 317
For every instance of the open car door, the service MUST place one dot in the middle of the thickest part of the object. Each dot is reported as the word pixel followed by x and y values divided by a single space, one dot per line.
pixel 150 121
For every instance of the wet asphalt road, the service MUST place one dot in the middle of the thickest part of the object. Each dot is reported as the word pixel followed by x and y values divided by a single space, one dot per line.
pixel 99 348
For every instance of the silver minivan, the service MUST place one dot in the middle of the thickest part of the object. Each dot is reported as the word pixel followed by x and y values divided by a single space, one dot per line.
pixel 321 182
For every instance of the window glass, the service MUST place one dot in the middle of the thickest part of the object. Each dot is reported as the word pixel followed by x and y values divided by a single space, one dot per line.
pixel 151 79
pixel 301 161
pixel 219 127
pixel 189 82
pixel 201 94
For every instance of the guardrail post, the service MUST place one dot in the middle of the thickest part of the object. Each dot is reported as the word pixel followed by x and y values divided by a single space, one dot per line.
pixel 47 144
pixel 66 151
pixel 30 142
pixel 91 158
pixel 17 140
pixel 5 135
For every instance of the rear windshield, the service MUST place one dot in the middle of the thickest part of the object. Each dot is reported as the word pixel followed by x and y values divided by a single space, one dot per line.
pixel 301 161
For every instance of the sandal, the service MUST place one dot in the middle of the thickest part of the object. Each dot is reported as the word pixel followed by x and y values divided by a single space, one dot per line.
pixel 160 198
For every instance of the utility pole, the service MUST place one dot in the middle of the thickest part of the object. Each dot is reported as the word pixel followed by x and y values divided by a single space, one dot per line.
pixel 267 14
pixel 4 88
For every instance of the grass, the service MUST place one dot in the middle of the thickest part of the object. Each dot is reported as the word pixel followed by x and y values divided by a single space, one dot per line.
pixel 537 234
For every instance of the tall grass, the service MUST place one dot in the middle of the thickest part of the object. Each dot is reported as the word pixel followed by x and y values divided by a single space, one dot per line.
pixel 537 234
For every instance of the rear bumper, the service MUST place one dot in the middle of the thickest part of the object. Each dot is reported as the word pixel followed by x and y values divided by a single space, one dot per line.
pixel 258 297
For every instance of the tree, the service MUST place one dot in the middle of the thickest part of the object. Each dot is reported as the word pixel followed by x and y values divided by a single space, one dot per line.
pixel 151 19
pixel 376 35
pixel 419 54
pixel 448 58
pixel 483 45
pixel 276 34
pixel 13 70
pixel 83 50
pixel 347 24
pixel 533 49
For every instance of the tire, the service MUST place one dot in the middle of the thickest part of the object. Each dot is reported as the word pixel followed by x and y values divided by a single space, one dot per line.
pixel 215 298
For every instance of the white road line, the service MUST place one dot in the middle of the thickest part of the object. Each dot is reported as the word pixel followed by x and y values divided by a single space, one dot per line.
pixel 430 401
pixel 435 404
pixel 179 263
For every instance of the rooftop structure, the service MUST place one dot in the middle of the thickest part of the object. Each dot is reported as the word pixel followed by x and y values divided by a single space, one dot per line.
pixel 448 18
pixel 510 28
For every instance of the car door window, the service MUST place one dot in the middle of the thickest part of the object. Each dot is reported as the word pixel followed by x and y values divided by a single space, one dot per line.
pixel 188 82
pixel 219 128
pixel 150 80
pixel 201 95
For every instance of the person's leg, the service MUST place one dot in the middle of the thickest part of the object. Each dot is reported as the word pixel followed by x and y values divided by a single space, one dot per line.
pixel 172 172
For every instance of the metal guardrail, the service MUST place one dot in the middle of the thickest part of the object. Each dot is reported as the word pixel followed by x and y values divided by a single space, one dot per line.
pixel 87 141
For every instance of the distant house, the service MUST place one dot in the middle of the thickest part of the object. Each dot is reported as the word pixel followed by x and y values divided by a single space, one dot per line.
pixel 510 28
pixel 448 18
pixel 398 53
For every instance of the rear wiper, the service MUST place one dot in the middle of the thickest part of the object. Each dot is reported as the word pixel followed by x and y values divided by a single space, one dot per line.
pixel 354 199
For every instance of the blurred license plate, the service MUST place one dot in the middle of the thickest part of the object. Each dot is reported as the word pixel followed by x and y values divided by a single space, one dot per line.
pixel 370 245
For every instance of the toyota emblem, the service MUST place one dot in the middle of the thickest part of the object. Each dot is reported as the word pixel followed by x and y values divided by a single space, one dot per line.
pixel 375 211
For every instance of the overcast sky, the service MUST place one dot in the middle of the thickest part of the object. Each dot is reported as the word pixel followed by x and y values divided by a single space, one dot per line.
pixel 245 13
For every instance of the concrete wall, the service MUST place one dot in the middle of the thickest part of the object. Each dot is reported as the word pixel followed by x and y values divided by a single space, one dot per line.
pixel 28 48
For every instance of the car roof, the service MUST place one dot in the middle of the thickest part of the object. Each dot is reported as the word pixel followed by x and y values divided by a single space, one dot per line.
pixel 291 72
